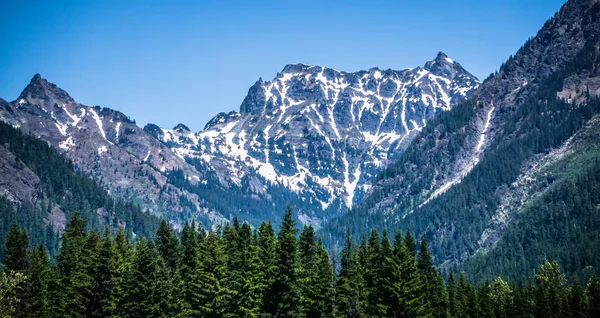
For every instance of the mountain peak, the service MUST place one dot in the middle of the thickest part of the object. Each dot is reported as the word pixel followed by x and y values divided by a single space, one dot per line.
pixel 181 128
pixel 296 68
pixel 39 88
pixel 442 65
pixel 36 78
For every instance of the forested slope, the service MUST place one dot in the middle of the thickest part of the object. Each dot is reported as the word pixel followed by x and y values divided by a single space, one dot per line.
pixel 41 190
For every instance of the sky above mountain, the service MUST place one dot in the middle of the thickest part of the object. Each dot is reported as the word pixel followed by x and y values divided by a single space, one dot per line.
pixel 184 61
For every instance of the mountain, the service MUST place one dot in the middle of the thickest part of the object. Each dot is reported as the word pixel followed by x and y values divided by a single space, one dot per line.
pixel 318 134
pixel 509 177
pixel 313 137
pixel 40 190
pixel 107 145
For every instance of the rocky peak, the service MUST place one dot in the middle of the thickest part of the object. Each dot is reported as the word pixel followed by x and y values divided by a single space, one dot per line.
pixel 444 66
pixel 40 91
pixel 181 128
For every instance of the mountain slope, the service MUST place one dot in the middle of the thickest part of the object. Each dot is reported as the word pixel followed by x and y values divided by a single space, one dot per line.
pixel 453 178
pixel 313 138
pixel 40 190
pixel 320 134
pixel 108 146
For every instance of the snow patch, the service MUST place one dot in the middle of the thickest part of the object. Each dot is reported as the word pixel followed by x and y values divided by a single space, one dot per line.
pixel 102 150
pixel 65 145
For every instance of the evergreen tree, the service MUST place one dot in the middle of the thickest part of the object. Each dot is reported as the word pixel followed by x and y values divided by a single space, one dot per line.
pixel 322 280
pixel 453 304
pixel 148 288
pixel 576 300
pixel 210 284
pixel 350 284
pixel 267 250
pixel 410 243
pixel 247 300
pixel 285 289
pixel 307 270
pixel 501 295
pixel 188 286
pixel 74 275
pixel 123 253
pixel 435 291
pixel 105 277
pixel 593 295
pixel 15 253
pixel 37 286
pixel 402 283
pixel 167 244
pixel 550 295
pixel 373 274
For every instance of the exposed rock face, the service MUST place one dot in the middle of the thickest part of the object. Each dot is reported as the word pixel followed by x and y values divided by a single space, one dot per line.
pixel 313 137
pixel 323 133
pixel 106 144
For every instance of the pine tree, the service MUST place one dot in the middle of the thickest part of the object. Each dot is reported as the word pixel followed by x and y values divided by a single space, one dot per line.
pixel 148 287
pixel 93 284
pixel 285 289
pixel 37 286
pixel 402 283
pixel 307 270
pixel 247 300
pixel 433 282
pixel 350 284
pixel 267 251
pixel 210 285
pixel 576 300
pixel 550 292
pixel 123 253
pixel 373 274
pixel 410 243
pixel 593 294
pixel 15 253
pixel 322 279
pixel 187 286
pixel 502 297
pixel 167 244
pixel 453 303
pixel 74 274
pixel 105 277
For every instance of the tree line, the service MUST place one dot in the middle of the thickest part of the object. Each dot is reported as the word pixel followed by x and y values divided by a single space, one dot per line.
pixel 237 271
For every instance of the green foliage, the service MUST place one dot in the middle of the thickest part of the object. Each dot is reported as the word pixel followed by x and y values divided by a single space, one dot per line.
pixel 236 272
pixel 64 189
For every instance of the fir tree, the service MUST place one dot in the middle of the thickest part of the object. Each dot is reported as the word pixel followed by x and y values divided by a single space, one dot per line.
pixel 210 285
pixel 167 244
pixel 550 293
pixel 74 275
pixel 15 253
pixel 247 300
pixel 37 287
pixel 267 251
pixel 285 289
pixel 410 243
pixel 148 288
pixel 350 284
pixel 576 300
pixel 593 294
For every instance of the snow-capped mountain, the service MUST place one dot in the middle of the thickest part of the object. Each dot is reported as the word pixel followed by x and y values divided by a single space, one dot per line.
pixel 312 137
pixel 321 133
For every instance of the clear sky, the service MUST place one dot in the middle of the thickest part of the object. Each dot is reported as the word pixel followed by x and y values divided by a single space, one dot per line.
pixel 167 62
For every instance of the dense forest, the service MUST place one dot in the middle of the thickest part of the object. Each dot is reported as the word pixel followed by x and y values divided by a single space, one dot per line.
pixel 64 188
pixel 237 271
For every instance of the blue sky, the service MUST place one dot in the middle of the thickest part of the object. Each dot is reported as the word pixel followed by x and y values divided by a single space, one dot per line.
pixel 185 61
